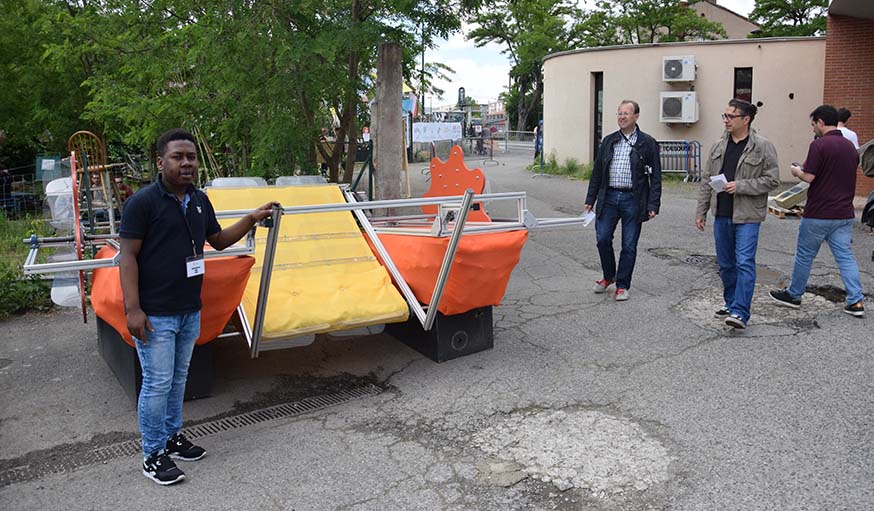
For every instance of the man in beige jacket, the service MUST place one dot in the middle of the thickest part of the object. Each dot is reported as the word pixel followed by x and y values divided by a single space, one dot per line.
pixel 748 162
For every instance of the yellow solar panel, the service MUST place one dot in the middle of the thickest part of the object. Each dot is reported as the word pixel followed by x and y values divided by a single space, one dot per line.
pixel 325 277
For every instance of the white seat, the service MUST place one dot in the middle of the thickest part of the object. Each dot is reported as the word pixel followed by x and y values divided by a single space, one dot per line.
pixel 239 181
pixel 299 180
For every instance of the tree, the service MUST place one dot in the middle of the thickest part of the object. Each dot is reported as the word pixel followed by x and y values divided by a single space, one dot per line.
pixel 254 80
pixel 528 31
pixel 41 107
pixel 649 21
pixel 781 18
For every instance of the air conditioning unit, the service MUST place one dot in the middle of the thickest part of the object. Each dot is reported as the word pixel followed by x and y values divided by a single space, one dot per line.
pixel 678 107
pixel 678 69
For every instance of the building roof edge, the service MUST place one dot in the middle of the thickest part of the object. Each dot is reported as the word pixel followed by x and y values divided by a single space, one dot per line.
pixel 683 44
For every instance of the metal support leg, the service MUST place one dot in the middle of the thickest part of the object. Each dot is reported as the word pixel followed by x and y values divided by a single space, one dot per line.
pixel 264 288
pixel 447 260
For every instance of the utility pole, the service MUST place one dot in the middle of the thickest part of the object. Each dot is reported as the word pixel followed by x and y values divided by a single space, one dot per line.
pixel 422 75
pixel 389 136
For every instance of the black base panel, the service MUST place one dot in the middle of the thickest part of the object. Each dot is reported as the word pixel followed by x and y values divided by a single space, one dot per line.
pixel 451 336
pixel 125 364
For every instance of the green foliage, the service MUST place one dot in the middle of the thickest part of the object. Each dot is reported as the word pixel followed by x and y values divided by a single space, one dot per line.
pixel 254 80
pixel 529 31
pixel 781 18
pixel 649 21
pixel 19 294
pixel 570 168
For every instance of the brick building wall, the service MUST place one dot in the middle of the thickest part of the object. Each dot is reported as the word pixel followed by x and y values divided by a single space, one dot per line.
pixel 849 78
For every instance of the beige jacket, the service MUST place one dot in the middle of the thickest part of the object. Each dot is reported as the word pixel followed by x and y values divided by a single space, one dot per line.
pixel 757 174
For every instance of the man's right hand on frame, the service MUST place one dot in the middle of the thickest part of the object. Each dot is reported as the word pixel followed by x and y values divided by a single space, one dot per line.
pixel 264 211
pixel 587 207
pixel 699 223
pixel 138 324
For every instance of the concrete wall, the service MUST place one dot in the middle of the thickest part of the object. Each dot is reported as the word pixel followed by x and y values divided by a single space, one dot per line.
pixel 781 66
pixel 735 25
pixel 849 78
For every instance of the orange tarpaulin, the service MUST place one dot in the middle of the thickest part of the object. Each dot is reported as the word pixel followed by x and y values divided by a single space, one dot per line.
pixel 223 283
pixel 479 274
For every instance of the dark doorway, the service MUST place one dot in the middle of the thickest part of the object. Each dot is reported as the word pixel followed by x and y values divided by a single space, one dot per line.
pixel 597 112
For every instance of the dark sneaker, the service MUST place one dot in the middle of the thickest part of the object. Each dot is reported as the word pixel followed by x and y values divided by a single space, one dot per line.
pixel 179 448
pixel 722 313
pixel 160 468
pixel 735 321
pixel 601 285
pixel 783 297
pixel 856 309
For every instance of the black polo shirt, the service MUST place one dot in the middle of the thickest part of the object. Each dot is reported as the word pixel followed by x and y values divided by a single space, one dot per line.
pixel 155 216
pixel 733 150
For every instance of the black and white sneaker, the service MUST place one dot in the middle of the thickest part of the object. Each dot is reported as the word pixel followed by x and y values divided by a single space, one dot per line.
pixel 179 448
pixel 160 468
pixel 722 313
pixel 736 322
pixel 856 309
pixel 783 297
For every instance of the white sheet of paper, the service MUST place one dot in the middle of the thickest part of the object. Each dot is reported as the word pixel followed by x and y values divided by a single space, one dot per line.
pixel 587 217
pixel 718 182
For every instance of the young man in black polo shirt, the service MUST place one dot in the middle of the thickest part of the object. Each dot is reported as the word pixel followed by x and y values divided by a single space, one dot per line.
pixel 162 233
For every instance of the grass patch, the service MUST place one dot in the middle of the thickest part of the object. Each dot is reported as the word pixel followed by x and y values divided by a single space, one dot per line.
pixel 570 168
pixel 19 294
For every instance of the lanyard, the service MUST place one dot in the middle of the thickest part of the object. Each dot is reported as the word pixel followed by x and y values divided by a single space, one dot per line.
pixel 184 214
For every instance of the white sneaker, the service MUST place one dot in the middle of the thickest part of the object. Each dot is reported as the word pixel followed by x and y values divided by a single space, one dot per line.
pixel 601 286
pixel 621 295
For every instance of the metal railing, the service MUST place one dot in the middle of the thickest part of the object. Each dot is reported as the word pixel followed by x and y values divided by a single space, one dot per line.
pixel 681 157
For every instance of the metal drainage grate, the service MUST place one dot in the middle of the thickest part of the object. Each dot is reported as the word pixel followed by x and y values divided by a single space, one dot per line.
pixel 69 462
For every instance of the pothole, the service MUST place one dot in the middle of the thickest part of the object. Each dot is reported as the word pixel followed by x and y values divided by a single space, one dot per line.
pixel 681 256
pixel 699 306
pixel 833 294
pixel 588 450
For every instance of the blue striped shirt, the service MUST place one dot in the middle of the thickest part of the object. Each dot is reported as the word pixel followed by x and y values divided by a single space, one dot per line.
pixel 620 167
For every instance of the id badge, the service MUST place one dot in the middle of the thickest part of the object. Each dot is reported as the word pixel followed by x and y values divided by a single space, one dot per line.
pixel 194 266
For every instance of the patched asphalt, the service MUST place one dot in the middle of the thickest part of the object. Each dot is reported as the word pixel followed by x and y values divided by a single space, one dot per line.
pixel 583 404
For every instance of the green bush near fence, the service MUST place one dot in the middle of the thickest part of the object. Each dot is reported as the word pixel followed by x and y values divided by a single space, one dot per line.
pixel 19 294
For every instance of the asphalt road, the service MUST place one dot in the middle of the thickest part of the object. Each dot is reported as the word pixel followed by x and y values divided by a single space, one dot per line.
pixel 584 403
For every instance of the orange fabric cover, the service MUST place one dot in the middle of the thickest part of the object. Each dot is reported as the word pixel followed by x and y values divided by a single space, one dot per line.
pixel 223 283
pixel 478 276
pixel 452 177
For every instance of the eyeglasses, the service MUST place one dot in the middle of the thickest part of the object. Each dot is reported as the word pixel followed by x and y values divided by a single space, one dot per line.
pixel 731 117
pixel 619 114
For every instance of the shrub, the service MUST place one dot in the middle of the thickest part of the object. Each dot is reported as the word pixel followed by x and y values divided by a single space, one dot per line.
pixel 19 294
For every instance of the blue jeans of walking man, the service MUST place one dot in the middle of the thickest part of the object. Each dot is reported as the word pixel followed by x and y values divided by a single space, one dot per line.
pixel 736 246
pixel 164 358
pixel 618 205
pixel 812 233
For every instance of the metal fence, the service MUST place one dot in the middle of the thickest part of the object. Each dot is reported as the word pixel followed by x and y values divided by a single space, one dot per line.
pixel 681 157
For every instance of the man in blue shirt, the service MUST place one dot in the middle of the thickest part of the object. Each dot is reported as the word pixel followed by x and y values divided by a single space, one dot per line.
pixel 163 230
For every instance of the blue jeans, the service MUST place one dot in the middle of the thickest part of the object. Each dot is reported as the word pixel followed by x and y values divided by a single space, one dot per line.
pixel 812 232
pixel 618 206
pixel 164 359
pixel 736 253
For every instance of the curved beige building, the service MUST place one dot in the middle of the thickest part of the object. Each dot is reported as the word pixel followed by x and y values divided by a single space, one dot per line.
pixel 783 76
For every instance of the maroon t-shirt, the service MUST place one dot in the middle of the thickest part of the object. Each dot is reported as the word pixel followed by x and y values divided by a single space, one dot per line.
pixel 833 160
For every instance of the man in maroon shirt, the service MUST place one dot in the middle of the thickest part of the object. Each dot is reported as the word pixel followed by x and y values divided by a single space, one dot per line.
pixel 830 168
